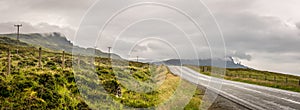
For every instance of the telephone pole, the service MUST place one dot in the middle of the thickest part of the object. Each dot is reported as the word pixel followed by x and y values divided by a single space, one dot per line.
pixel 109 52
pixel 18 34
pixel 18 30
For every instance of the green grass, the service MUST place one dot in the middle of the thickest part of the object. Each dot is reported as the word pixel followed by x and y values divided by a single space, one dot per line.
pixel 263 78
pixel 195 102
pixel 54 87
pixel 29 87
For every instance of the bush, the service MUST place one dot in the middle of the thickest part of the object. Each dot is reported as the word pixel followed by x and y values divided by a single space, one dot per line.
pixel 111 86
pixel 25 63
pixel 50 64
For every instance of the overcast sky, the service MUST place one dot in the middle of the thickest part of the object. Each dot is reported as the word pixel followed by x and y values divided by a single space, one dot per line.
pixel 263 34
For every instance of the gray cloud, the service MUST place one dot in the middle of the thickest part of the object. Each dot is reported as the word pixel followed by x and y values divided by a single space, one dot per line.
pixel 240 55
pixel 261 40
pixel 254 31
pixel 298 25
pixel 54 12
pixel 260 34
pixel 8 27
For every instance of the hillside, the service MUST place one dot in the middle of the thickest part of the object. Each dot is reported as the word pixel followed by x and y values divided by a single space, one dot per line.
pixel 29 86
pixel 52 87
pixel 251 76
pixel 55 41
pixel 203 62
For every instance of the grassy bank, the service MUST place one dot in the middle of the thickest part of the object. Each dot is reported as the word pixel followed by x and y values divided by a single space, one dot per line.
pixel 28 86
pixel 263 78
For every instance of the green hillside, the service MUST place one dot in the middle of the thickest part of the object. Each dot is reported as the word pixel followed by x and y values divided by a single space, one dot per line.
pixel 55 41
pixel 28 86
pixel 263 78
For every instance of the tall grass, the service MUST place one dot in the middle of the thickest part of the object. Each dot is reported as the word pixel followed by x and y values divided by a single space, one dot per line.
pixel 54 87
pixel 263 78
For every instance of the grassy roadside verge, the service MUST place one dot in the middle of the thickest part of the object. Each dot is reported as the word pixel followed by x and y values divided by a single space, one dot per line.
pixel 262 78
pixel 53 87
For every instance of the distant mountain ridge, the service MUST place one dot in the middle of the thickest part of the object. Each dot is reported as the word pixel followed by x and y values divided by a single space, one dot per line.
pixel 203 62
pixel 56 41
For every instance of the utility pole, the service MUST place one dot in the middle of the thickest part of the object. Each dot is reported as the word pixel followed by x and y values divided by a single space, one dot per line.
pixel 18 34
pixel 40 58
pixel 18 30
pixel 63 60
pixel 109 52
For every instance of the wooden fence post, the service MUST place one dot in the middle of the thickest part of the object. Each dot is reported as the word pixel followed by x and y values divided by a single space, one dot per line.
pixel 8 62
pixel 205 69
pixel 299 82
pixel 286 80
pixel 265 77
pixel 40 58
pixel 274 78
pixel 78 60
pixel 63 60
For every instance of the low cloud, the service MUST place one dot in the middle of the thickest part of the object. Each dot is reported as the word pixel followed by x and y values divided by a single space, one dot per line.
pixel 8 27
pixel 250 28
pixel 298 25
pixel 240 55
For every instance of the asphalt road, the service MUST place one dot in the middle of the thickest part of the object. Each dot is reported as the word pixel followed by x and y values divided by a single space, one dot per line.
pixel 248 95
